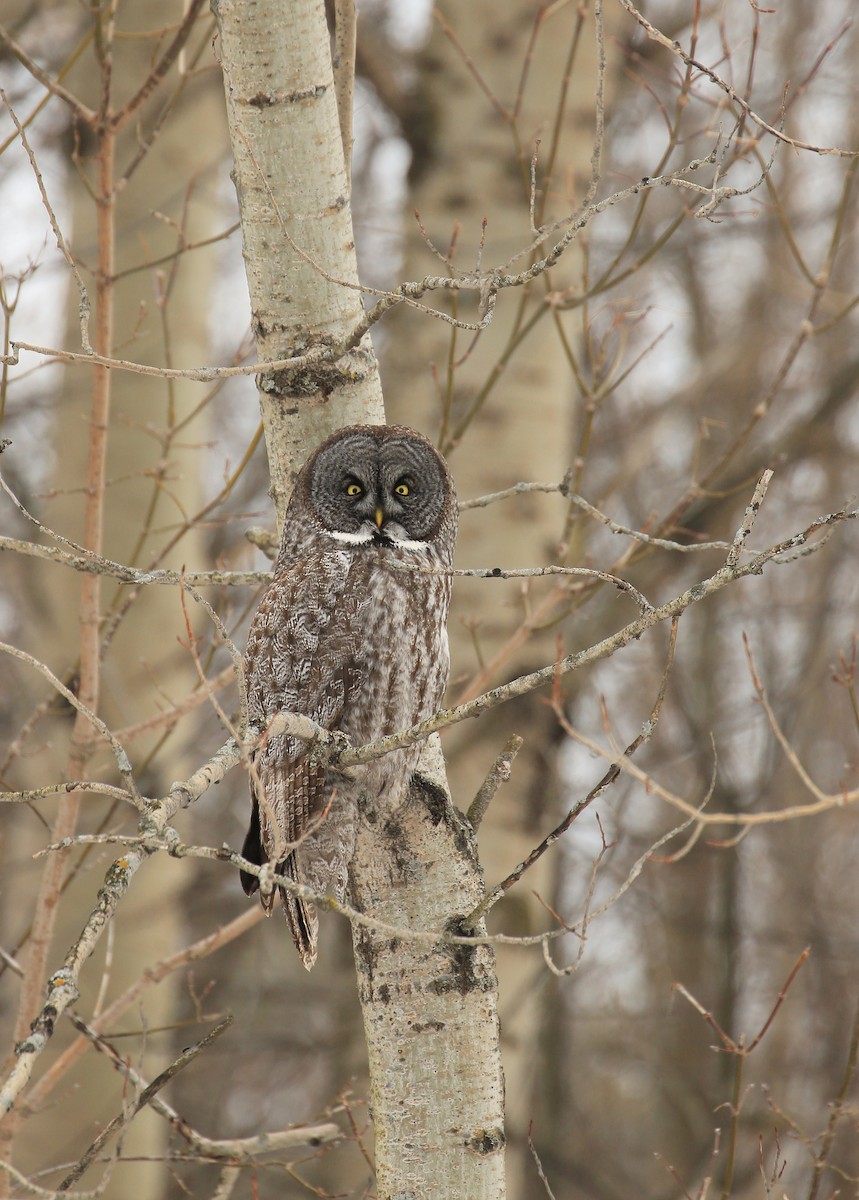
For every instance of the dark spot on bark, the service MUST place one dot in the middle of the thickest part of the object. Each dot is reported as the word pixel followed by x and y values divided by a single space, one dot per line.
pixel 325 375
pixel 433 798
pixel 470 966
pixel 432 1026
pixel 369 950
pixel 441 812
pixel 463 959
pixel 486 1141
pixel 367 953
pixel 398 845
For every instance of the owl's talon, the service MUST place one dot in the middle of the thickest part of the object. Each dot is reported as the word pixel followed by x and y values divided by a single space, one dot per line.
pixel 338 744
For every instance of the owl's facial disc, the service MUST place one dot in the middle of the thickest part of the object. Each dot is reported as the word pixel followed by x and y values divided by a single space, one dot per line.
pixel 391 492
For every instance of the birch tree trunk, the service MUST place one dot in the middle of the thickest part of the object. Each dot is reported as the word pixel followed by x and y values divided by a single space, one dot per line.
pixel 297 238
pixel 430 1010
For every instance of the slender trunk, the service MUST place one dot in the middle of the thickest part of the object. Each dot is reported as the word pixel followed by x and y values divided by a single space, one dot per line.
pixel 430 1010
pixel 297 235
pixel 430 1013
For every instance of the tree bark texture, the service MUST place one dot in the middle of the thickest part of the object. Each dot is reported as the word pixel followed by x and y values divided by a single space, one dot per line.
pixel 297 238
pixel 430 1010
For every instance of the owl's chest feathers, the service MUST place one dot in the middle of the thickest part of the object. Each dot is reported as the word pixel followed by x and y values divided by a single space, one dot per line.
pixel 401 659
pixel 402 649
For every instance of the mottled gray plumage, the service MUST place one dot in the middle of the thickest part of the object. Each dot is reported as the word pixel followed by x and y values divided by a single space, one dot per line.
pixel 345 638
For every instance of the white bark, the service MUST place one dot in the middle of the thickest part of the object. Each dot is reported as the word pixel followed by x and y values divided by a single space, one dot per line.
pixel 430 1015
pixel 296 225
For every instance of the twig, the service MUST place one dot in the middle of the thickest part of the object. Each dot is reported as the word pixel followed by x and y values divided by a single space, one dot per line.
pixel 789 752
pixel 581 927
pixel 123 763
pixel 495 894
pixel 80 110
pixel 739 1047
pixel 147 1094
pixel 499 773
pixel 94 564
pixel 486 284
pixel 84 307
pixel 646 538
pixel 657 36
pixel 525 684
pixel 517 489
pixel 644 735
pixel 540 1172
pixel 26 796
pixel 62 988
pixel 123 115
pixel 752 509
pixel 836 1110
pixel 824 803
pixel 194 952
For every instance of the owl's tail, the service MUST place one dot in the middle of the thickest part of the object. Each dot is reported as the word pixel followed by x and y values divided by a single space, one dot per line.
pixel 301 916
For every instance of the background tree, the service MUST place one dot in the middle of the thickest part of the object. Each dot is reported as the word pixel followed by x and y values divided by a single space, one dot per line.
pixel 684 341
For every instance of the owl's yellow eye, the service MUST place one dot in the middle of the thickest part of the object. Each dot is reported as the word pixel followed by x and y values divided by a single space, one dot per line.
pixel 402 489
pixel 354 489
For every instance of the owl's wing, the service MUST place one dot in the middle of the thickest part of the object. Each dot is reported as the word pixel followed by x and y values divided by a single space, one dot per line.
pixel 302 656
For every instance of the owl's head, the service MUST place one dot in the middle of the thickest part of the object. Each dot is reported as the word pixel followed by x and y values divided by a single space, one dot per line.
pixel 382 484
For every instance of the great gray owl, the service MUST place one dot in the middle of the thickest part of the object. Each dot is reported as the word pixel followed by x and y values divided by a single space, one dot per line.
pixel 345 638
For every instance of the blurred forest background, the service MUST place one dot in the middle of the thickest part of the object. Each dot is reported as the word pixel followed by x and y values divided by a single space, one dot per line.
pixel 666 360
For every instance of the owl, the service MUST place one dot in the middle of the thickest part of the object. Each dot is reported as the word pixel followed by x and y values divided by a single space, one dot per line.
pixel 346 636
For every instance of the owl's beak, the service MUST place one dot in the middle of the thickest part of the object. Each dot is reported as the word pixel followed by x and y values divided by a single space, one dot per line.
pixel 380 517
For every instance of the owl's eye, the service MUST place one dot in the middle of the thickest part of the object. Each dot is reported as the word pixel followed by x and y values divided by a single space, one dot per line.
pixel 402 489
pixel 354 489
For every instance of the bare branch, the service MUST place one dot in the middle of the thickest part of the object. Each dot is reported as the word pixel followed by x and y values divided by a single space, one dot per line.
pixel 499 773
pixel 524 684
pixel 657 36
pixel 123 762
pixel 56 89
pixel 146 1094
pixel 645 733
pixel 84 307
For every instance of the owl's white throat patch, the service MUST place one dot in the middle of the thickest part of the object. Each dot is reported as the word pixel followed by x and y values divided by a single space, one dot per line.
pixel 404 543
pixel 366 537
pixel 362 538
